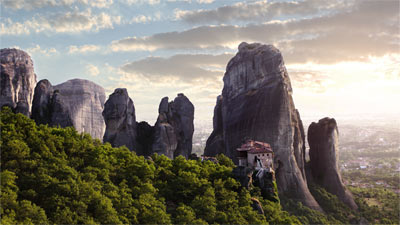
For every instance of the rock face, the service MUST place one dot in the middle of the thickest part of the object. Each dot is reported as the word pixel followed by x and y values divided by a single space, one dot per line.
pixel 145 138
pixel 264 179
pixel 77 103
pixel 17 80
pixel 120 118
pixel 324 142
pixel 173 131
pixel 42 102
pixel 257 103
pixel 171 135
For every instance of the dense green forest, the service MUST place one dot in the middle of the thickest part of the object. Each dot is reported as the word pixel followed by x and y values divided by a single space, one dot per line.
pixel 56 175
pixel 53 175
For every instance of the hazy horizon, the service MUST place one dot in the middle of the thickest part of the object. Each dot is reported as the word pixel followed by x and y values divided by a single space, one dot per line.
pixel 342 56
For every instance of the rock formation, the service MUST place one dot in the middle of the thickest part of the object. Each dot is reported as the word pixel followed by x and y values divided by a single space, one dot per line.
pixel 120 118
pixel 17 80
pixel 145 138
pixel 257 103
pixel 173 131
pixel 171 135
pixel 41 106
pixel 323 138
pixel 77 103
pixel 215 143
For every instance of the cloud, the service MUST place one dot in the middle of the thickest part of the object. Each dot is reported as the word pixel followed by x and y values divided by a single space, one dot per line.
pixel 309 79
pixel 135 2
pixel 369 28
pixel 183 67
pixel 37 50
pixel 97 3
pixel 83 49
pixel 69 22
pixel 205 1
pixel 37 4
pixel 258 11
pixel 141 19
pixel 92 70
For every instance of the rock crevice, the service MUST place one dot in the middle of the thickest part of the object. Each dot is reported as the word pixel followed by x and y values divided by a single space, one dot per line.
pixel 171 135
pixel 78 103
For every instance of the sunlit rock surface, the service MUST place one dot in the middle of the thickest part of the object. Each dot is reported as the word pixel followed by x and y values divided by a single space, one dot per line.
pixel 78 103
pixel 17 80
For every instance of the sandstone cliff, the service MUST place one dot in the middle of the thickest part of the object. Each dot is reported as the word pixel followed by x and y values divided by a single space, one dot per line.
pixel 17 80
pixel 323 138
pixel 77 103
pixel 257 103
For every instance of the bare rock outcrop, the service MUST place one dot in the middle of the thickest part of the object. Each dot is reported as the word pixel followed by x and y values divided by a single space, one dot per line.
pixel 78 103
pixel 173 131
pixel 257 103
pixel 323 138
pixel 144 138
pixel 171 135
pixel 17 80
pixel 42 99
pixel 119 116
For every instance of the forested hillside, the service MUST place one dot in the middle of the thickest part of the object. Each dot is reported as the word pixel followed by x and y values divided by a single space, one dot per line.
pixel 58 176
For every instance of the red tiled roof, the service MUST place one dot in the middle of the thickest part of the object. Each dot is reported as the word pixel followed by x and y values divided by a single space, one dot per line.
pixel 260 150
pixel 255 147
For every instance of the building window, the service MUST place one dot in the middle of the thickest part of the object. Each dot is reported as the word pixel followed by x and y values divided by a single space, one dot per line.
pixel 263 154
pixel 267 154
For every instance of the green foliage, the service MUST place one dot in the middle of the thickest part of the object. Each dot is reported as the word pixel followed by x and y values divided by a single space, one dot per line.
pixel 58 176
pixel 336 210
pixel 303 213
pixel 378 205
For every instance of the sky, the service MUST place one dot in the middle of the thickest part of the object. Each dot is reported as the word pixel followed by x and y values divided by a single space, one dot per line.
pixel 342 57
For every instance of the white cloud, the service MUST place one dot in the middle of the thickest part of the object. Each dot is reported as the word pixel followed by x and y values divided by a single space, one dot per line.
pixel 92 70
pixel 83 49
pixel 37 50
pixel 368 29
pixel 183 67
pixel 37 4
pixel 98 3
pixel 205 1
pixel 134 2
pixel 141 19
pixel 69 22
pixel 258 11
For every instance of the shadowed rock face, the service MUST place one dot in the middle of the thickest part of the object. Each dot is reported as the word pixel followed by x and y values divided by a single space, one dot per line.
pixel 41 105
pixel 171 135
pixel 323 139
pixel 173 131
pixel 17 80
pixel 119 116
pixel 257 103
pixel 145 138
pixel 77 103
